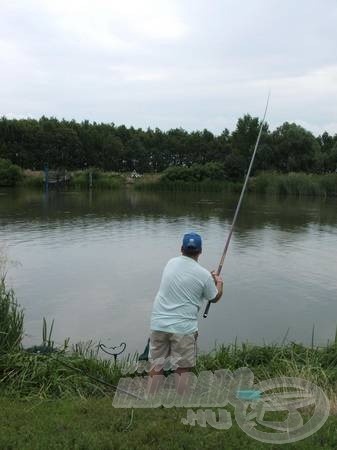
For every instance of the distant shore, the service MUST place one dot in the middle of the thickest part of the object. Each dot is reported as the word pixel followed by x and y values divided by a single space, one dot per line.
pixel 181 179
pixel 266 183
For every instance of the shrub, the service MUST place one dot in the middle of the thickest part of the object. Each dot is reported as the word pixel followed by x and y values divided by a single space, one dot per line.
pixel 33 181
pixel 195 173
pixel 10 174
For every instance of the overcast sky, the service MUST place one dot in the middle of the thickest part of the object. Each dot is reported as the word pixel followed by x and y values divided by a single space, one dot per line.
pixel 176 63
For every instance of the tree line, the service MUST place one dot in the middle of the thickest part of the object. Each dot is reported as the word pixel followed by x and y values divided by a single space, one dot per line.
pixel 31 144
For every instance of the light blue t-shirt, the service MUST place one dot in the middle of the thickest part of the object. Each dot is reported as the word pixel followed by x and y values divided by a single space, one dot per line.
pixel 184 286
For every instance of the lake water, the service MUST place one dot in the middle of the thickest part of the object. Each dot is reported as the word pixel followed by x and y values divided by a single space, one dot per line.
pixel 93 261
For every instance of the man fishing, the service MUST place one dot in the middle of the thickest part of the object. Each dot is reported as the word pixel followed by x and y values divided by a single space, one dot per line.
pixel 174 321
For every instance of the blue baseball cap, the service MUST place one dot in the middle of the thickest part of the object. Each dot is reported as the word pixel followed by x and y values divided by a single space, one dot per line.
pixel 192 241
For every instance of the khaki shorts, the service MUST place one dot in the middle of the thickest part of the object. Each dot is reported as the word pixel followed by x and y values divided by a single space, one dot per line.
pixel 172 351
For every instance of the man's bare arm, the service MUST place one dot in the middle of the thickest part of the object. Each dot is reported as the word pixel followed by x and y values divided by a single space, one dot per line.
pixel 219 285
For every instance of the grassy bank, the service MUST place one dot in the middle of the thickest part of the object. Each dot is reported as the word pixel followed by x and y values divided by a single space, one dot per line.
pixel 298 184
pixel 95 424
pixel 47 405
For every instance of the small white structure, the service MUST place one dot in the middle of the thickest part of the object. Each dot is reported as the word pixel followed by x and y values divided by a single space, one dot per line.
pixel 134 174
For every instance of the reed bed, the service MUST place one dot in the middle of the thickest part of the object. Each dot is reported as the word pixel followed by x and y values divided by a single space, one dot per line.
pixel 297 184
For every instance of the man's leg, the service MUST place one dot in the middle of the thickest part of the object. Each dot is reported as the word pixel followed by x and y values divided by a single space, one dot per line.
pixel 159 352
pixel 182 379
pixel 184 354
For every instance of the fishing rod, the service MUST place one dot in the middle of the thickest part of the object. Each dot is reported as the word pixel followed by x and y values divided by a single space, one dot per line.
pixel 239 202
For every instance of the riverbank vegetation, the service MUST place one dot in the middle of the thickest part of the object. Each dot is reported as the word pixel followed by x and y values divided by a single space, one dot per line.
pixel 208 177
pixel 199 179
pixel 299 184
pixel 97 179
pixel 13 176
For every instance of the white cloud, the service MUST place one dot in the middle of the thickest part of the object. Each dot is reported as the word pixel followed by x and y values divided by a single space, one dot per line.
pixel 128 72
pixel 105 21
pixel 321 82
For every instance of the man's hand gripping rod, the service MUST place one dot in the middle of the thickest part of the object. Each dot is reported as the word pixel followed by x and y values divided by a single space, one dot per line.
pixel 239 202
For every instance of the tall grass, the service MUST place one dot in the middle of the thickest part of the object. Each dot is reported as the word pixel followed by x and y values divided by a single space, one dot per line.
pixel 11 320
pixel 11 314
pixel 26 374
pixel 315 364
pixel 99 180
pixel 298 184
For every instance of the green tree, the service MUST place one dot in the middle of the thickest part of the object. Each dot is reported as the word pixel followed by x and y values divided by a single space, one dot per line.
pixel 245 135
pixel 234 166
pixel 294 148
